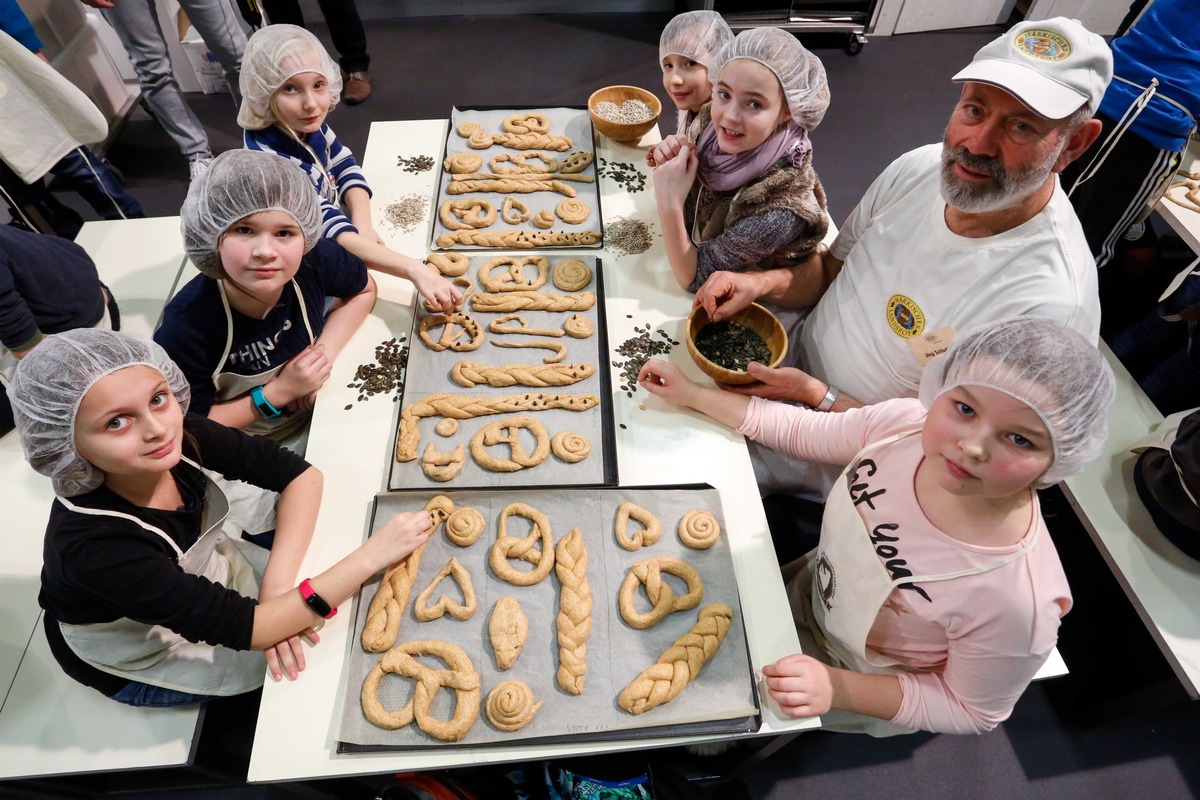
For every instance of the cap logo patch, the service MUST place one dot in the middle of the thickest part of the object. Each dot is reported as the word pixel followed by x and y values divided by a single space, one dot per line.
pixel 1044 45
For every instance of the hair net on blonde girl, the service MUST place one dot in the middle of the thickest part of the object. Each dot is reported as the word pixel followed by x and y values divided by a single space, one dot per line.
pixel 51 382
pixel 240 183
pixel 800 73
pixel 273 55
pixel 1043 364
pixel 696 35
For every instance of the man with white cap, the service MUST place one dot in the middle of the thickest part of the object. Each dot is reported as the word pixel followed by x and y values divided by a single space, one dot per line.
pixel 950 236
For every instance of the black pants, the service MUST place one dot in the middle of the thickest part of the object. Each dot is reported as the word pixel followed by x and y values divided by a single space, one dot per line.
pixel 345 28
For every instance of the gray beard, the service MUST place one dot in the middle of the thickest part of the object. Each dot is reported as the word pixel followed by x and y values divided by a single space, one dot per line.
pixel 1008 189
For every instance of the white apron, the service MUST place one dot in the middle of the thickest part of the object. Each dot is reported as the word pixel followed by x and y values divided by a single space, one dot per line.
pixel 252 508
pixel 158 656
pixel 849 585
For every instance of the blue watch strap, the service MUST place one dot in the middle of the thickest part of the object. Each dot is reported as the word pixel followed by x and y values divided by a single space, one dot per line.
pixel 263 405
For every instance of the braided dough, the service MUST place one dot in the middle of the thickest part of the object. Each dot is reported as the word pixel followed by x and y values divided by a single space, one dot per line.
pixel 510 706
pixel 525 176
pixel 451 265
pixel 509 185
pixel 461 406
pixel 680 664
pixel 574 620
pixel 503 325
pixel 520 163
pixel 526 122
pixel 466 214
pixel 576 162
pixel 513 211
pixel 560 349
pixel 461 677
pixel 508 302
pixel 507 547
pixel 443 466
pixel 578 327
pixel 456 325
pixel 518 238
pixel 387 606
pixel 651 529
pixel 571 211
pixel 507 431
pixel 544 219
pixel 649 572
pixel 507 629
pixel 699 530
pixel 570 447
pixel 514 279
pixel 464 527
pixel 460 163
pixel 464 610
pixel 469 373
pixel 461 282
pixel 571 274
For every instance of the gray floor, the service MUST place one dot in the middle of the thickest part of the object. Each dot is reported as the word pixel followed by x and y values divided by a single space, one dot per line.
pixel 892 97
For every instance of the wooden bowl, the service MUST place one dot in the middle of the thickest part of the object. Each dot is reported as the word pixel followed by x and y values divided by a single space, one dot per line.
pixel 754 317
pixel 618 131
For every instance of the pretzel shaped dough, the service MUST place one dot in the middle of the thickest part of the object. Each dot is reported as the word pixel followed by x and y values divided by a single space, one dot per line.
pixel 461 677
pixel 466 214
pixel 464 527
pixel 513 211
pixel 578 327
pixel 442 466
pixel 456 325
pixel 520 163
pixel 510 705
pixel 501 325
pixel 650 533
pixel 461 282
pixel 544 219
pixel 699 530
pixel 507 431
pixel 576 162
pixel 571 211
pixel 514 279
pixel 570 447
pixel 469 373
pixel 450 265
pixel 650 572
pixel 680 663
pixel 527 549
pixel 571 275
pixel 526 122
pixel 462 163
pixel 545 344
pixel 507 629
pixel 464 610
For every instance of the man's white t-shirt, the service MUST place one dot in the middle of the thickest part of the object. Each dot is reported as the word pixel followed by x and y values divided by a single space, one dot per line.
pixel 906 276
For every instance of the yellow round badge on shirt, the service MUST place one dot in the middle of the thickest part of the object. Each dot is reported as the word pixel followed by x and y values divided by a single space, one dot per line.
pixel 905 317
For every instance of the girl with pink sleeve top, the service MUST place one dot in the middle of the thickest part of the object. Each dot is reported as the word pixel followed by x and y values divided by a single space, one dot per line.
pixel 935 594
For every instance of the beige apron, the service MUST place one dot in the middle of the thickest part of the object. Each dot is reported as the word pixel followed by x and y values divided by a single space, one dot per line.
pixel 252 508
pixel 158 656
pixel 848 587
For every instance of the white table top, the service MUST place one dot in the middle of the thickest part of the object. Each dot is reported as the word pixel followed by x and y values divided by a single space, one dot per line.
pixel 297 725
pixel 1185 221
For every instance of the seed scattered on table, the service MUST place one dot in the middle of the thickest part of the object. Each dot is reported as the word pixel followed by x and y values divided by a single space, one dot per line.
pixel 627 176
pixel 385 375
pixel 415 163
pixel 637 350
pixel 406 214
pixel 627 236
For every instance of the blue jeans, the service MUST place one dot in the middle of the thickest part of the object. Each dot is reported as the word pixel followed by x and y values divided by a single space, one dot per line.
pixel 146 696
pixel 88 175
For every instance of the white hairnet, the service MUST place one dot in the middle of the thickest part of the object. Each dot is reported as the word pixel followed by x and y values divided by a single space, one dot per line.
pixel 697 35
pixel 273 54
pixel 51 382
pixel 1045 365
pixel 240 183
pixel 800 73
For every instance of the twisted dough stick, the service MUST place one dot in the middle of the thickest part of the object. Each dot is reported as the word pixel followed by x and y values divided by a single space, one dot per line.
pixel 442 466
pixel 533 141
pixel 466 214
pixel 507 431
pixel 513 211
pixel 571 275
pixel 507 629
pixel 469 373
pixel 525 176
pixel 449 264
pixel 526 122
pixel 387 606
pixel 501 325
pixel 460 163
pixel 518 238
pixel 578 327
pixel 544 219
pixel 650 533
pixel 507 547
pixel 570 447
pixel 514 279
pixel 574 621
pixel 699 530
pixel 464 527
pixel 560 349
pixel 510 706
pixel 521 165
pixel 658 590
pixel 464 610
pixel 460 406
pixel 571 211
pixel 508 302
pixel 680 664
pixel 508 185
pixel 461 677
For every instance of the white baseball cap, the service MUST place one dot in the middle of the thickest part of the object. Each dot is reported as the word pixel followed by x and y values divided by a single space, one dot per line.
pixel 1053 66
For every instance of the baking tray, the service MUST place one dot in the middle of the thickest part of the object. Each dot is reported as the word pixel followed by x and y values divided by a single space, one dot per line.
pixel 722 700
pixel 428 373
pixel 571 121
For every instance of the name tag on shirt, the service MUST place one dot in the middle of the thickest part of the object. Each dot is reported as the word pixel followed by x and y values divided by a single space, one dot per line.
pixel 931 344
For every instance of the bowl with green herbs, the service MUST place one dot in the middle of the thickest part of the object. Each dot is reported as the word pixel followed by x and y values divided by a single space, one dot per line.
pixel 723 349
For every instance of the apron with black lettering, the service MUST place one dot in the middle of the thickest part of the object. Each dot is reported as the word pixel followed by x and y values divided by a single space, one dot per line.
pixel 850 584
pixel 158 656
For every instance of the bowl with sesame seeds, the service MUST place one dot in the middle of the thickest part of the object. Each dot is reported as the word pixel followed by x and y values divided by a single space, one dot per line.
pixel 752 334
pixel 623 113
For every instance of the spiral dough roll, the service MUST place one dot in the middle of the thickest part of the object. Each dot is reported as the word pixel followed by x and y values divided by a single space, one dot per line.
pixel 699 530
pixel 510 705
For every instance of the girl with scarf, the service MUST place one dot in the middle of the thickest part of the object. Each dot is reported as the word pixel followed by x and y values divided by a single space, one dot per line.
pixel 745 195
